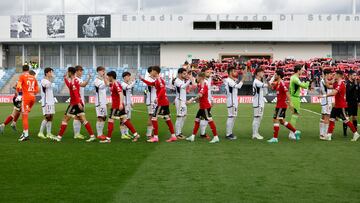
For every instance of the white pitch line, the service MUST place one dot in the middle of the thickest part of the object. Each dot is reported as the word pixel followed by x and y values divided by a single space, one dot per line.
pixel 316 113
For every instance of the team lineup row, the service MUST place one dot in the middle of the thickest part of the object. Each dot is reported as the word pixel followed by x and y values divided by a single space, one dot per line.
pixel 158 104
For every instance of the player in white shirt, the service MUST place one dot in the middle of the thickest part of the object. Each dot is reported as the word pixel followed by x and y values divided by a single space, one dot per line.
pixel 182 81
pixel 127 86
pixel 326 102
pixel 47 103
pixel 77 123
pixel 150 101
pixel 204 123
pixel 232 86
pixel 101 82
pixel 258 101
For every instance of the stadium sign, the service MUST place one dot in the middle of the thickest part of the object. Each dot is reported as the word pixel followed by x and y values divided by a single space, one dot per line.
pixel 234 17
pixel 283 17
pixel 160 18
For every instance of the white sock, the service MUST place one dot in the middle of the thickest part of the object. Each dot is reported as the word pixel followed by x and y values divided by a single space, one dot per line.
pixel 100 127
pixel 326 127
pixel 122 130
pixel 26 133
pixel 178 125
pixel 258 120
pixel 77 126
pixel 321 127
pixel 203 125
pixel 182 123
pixel 255 127
pixel 48 127
pixel 149 131
pixel 229 125
pixel 42 126
pixel 126 130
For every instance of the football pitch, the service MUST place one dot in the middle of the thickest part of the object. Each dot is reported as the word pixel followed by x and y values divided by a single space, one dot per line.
pixel 243 170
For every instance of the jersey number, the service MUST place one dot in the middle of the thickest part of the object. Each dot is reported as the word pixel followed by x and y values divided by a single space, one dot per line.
pixel 31 85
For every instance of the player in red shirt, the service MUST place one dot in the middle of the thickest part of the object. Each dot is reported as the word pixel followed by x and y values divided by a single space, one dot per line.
pixel 117 110
pixel 338 111
pixel 27 88
pixel 282 94
pixel 76 107
pixel 204 111
pixel 162 109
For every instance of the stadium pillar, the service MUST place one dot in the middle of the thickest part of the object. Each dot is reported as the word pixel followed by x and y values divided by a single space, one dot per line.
pixel 138 56
pixel 23 54
pixel 118 47
pixel 355 52
pixel 1 55
pixel 94 56
pixel 39 56
pixel 77 54
pixel 61 56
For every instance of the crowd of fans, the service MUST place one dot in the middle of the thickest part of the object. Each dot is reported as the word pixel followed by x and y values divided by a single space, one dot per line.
pixel 313 66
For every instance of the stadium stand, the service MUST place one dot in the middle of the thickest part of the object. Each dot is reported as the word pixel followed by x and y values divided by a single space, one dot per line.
pixel 5 75
pixel 314 68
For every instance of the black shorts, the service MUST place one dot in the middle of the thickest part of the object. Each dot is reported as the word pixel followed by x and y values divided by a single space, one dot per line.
pixel 280 113
pixel 204 114
pixel 74 111
pixel 117 113
pixel 352 110
pixel 161 111
pixel 17 104
pixel 338 113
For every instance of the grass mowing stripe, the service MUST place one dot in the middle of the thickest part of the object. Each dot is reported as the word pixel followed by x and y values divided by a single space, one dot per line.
pixel 241 171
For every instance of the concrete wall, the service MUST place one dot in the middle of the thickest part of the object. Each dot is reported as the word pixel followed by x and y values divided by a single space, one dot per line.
pixel 179 28
pixel 174 54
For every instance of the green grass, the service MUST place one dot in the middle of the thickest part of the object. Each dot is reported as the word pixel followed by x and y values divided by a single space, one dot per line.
pixel 231 171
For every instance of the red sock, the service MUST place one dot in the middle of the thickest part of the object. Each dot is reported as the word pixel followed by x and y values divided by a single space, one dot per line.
pixel 16 117
pixel 213 128
pixel 155 126
pixel 196 127
pixel 110 128
pixel 25 121
pixel 8 120
pixel 62 129
pixel 88 128
pixel 130 126
pixel 351 126
pixel 331 127
pixel 289 126
pixel 276 130
pixel 171 126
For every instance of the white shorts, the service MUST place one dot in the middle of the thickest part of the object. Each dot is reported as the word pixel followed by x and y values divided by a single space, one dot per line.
pixel 151 108
pixel 232 111
pixel 181 108
pixel 258 111
pixel 326 109
pixel 128 109
pixel 48 109
pixel 101 111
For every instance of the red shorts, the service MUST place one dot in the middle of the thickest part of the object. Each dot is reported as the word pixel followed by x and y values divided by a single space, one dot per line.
pixel 27 105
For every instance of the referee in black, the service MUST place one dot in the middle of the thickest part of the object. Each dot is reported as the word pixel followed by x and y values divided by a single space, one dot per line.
pixel 352 98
